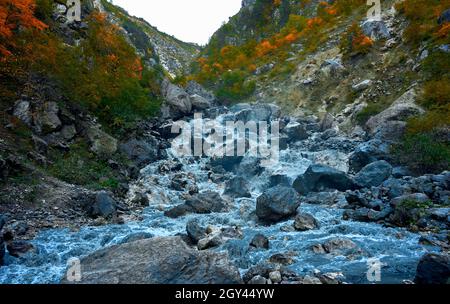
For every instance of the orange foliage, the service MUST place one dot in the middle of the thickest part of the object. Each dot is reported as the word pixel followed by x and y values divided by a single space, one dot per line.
pixel 444 31
pixel 15 14
pixel 314 22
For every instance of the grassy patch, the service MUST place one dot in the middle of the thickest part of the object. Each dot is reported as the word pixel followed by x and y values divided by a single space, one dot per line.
pixel 81 167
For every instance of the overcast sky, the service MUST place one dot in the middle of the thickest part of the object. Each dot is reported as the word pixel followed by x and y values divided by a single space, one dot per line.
pixel 188 20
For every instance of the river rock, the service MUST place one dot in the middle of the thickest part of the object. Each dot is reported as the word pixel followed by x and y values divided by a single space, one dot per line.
pixel 366 153
pixel 337 246
pixel 433 269
pixel 320 177
pixel 295 132
pixel 104 205
pixel 202 203
pixel 305 221
pixel 164 260
pixel 195 231
pixel 260 241
pixel 374 174
pixel 276 204
pixel 237 187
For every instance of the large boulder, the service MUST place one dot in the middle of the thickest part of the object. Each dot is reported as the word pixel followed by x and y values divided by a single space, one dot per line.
pixel 166 260
pixel 194 231
pixel 237 187
pixel 433 269
pixel 199 103
pixel 22 110
pixel 260 241
pixel 101 143
pixel 295 132
pixel 202 203
pixel 374 174
pixel 337 246
pixel 104 206
pixel 46 119
pixel 376 29
pixel 366 153
pixel 194 88
pixel 318 178
pixel 177 101
pixel 277 203
pixel 141 151
pixel 402 109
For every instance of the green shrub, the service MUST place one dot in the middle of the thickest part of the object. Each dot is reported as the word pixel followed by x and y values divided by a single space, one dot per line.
pixel 233 87
pixel 371 110
pixel 81 167
pixel 424 152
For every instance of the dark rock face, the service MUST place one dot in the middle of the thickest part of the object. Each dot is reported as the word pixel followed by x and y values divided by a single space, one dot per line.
pixel 374 174
pixel 203 203
pixel 276 204
pixel 260 241
pixel 237 187
pixel 304 222
pixel 157 261
pixel 319 177
pixel 433 269
pixel 366 153
pixel 104 206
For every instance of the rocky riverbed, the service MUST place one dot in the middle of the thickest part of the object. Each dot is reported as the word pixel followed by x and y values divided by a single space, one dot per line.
pixel 333 205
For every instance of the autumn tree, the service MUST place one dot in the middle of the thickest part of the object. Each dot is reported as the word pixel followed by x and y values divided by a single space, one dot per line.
pixel 16 14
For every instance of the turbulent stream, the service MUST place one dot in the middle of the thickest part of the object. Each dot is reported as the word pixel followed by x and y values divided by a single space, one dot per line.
pixel 397 249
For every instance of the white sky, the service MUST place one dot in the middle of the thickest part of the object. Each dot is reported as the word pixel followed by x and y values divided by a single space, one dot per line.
pixel 187 20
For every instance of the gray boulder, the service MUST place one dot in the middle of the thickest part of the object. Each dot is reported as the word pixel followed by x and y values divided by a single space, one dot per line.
pixel 304 222
pixel 337 246
pixel 366 153
pixel 258 113
pixel 177 101
pixel 376 29
pixel 165 260
pixel 202 203
pixel 277 203
pixel 18 248
pixel 295 132
pixel 104 205
pixel 318 178
pixel 260 241
pixel 199 103
pixel 374 174
pixel 141 151
pixel 46 119
pixel 195 231
pixel 237 187
pixel 362 86
pixel 402 109
pixel 194 88
pixel 433 269
pixel 22 110
pixel 101 143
